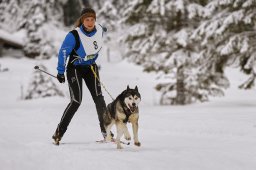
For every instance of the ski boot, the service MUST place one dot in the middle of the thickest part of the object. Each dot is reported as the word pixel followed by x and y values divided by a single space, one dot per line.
pixel 57 137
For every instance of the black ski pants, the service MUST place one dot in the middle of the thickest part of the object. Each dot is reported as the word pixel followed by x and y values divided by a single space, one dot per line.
pixel 75 76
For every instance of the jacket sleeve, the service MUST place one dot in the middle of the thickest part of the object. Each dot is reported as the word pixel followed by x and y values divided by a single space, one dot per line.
pixel 66 48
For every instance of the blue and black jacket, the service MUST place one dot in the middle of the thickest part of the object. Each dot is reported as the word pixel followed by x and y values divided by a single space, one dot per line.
pixel 73 49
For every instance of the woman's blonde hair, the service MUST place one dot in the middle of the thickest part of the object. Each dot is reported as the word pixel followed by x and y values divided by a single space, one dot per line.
pixel 79 21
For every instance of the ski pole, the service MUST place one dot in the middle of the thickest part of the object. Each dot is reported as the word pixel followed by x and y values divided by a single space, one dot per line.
pixel 37 68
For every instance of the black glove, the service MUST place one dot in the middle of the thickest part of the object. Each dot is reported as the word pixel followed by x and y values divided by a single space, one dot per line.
pixel 61 78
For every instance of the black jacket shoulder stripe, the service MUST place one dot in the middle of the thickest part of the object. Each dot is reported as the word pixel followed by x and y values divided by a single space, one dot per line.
pixel 75 34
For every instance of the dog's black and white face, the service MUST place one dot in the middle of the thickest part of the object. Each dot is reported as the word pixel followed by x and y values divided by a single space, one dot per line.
pixel 132 98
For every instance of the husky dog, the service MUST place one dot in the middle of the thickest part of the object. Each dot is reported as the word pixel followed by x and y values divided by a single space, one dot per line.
pixel 122 110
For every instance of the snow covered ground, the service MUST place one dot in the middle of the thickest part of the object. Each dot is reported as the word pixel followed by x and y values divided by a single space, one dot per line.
pixel 217 135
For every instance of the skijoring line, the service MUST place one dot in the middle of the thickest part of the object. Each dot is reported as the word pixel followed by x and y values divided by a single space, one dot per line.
pixel 95 75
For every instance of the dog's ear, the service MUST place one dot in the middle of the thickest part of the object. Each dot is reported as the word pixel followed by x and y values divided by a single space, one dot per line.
pixel 136 88
pixel 128 88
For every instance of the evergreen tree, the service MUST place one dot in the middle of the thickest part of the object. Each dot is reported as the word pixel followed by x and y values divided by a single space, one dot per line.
pixel 10 13
pixel 38 15
pixel 95 4
pixel 72 11
pixel 39 19
pixel 42 85
pixel 108 15
pixel 227 36
pixel 111 13
pixel 160 41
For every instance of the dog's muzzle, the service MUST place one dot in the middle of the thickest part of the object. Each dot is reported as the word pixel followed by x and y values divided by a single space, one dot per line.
pixel 132 108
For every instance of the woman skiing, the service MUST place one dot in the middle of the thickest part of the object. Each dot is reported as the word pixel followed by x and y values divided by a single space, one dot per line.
pixel 82 46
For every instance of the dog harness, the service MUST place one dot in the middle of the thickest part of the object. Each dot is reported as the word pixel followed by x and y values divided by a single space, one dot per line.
pixel 112 108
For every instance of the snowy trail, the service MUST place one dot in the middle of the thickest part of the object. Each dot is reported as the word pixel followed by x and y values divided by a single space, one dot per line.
pixel 220 134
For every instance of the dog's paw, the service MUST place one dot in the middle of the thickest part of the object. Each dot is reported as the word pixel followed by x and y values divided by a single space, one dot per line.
pixel 137 143
pixel 108 138
pixel 128 137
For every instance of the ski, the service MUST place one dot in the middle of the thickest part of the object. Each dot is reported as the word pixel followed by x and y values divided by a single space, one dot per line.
pixel 113 141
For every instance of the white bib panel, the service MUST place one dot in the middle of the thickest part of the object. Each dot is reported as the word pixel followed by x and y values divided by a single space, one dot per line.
pixel 92 45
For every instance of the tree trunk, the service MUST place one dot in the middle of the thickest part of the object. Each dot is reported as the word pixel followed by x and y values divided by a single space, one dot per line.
pixel 180 98
pixel 1 48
